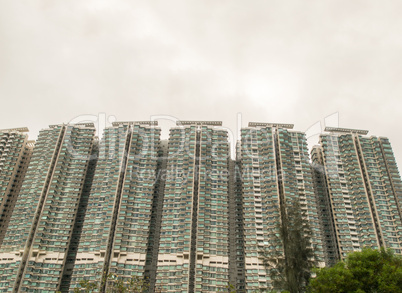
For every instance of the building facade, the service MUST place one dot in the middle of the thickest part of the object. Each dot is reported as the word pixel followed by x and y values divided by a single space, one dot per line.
pixel 275 171
pixel 181 215
pixel 359 192
pixel 15 154
pixel 33 252
pixel 115 237
pixel 194 238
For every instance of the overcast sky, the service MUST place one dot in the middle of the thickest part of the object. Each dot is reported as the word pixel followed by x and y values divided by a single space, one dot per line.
pixel 267 61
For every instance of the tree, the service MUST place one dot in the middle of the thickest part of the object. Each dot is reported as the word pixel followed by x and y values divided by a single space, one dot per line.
pixel 291 258
pixel 367 271
pixel 115 284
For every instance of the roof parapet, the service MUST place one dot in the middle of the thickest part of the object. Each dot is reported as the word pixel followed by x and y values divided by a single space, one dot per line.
pixel 19 129
pixel 150 123
pixel 55 125
pixel 346 130
pixel 85 124
pixel 210 123
pixel 262 124
pixel 89 124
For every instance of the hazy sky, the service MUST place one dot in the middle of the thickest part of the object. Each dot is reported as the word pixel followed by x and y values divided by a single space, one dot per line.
pixel 271 61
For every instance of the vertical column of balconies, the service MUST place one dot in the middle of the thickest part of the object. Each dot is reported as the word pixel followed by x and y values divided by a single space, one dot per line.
pixel 232 224
pixel 326 216
pixel 239 229
pixel 15 154
pixel 18 181
pixel 284 169
pixel 392 190
pixel 390 168
pixel 156 218
pixel 368 189
pixel 194 213
pixel 285 193
pixel 382 192
pixel 81 211
pixel 248 153
pixel 389 164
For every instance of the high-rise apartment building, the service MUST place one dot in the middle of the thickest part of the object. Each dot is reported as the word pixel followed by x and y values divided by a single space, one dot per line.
pixel 359 192
pixel 33 252
pixel 181 214
pixel 275 171
pixel 194 236
pixel 115 236
pixel 15 154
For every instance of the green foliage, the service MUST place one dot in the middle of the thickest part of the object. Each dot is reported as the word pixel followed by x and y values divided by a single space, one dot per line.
pixel 87 287
pixel 362 272
pixel 291 257
pixel 229 289
pixel 115 284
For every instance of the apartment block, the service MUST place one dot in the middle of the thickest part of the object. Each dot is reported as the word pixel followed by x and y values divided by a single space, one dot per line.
pixel 181 214
pixel 115 233
pixel 275 171
pixel 359 191
pixel 194 237
pixel 15 154
pixel 33 252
